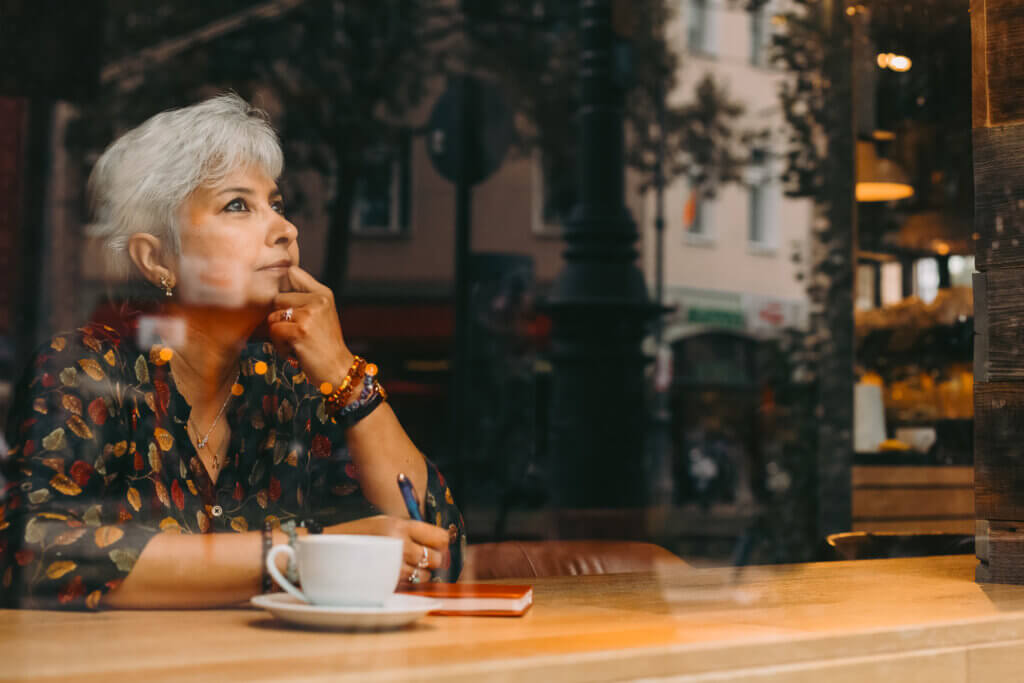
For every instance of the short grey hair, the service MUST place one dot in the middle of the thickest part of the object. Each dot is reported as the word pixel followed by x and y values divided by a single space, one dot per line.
pixel 141 181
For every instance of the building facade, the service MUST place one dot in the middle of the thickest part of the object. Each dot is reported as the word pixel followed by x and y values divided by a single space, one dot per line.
pixel 735 260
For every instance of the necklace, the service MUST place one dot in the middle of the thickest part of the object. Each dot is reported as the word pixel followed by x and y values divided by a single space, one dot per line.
pixel 201 442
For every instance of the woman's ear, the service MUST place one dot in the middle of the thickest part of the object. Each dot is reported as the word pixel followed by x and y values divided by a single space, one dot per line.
pixel 146 252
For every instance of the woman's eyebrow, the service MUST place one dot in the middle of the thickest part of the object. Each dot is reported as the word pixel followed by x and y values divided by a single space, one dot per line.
pixel 274 192
pixel 236 190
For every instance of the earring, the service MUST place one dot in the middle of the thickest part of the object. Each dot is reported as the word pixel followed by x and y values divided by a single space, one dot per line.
pixel 167 285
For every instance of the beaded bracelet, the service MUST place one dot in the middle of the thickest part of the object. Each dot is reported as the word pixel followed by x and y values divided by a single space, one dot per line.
pixel 339 402
pixel 372 394
pixel 338 398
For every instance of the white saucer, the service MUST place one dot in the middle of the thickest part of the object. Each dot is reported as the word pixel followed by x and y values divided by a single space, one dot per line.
pixel 398 610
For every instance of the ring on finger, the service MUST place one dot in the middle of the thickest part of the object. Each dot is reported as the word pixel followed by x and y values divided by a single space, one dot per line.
pixel 424 560
pixel 288 314
pixel 414 577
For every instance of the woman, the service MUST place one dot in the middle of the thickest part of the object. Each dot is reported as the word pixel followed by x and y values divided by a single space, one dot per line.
pixel 153 460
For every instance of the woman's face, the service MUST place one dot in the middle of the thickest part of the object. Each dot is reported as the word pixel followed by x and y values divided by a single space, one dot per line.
pixel 236 244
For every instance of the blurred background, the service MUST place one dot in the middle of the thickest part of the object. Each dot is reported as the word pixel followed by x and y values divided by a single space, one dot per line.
pixel 701 276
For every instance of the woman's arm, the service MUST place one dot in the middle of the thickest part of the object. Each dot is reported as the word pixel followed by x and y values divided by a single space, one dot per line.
pixel 380 449
pixel 182 571
pixel 306 323
pixel 379 446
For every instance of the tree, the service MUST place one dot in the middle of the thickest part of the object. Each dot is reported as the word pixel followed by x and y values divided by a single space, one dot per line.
pixel 815 48
pixel 530 47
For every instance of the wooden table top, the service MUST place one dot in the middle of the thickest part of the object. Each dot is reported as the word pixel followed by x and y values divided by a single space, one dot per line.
pixel 863 620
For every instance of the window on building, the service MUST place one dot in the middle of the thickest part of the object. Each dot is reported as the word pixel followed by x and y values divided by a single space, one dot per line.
pixel 961 271
pixel 892 283
pixel 758 37
pixel 698 34
pixel 926 279
pixel 554 193
pixel 697 221
pixel 381 204
pixel 761 201
pixel 865 296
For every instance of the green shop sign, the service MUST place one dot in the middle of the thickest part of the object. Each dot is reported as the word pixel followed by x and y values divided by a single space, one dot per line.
pixel 716 316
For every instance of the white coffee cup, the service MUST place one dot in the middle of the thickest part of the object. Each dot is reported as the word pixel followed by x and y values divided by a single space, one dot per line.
pixel 341 570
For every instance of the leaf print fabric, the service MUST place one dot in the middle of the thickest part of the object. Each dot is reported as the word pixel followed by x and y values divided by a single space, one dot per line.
pixel 100 463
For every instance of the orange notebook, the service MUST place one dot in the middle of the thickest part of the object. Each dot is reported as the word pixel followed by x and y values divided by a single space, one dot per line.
pixel 477 599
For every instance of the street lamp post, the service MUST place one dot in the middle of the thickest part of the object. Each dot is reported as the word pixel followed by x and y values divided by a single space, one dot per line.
pixel 599 304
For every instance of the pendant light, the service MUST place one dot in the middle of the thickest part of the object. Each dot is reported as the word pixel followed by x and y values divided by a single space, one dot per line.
pixel 879 179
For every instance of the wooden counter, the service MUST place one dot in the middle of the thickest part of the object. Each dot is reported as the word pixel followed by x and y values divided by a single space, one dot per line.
pixel 921 619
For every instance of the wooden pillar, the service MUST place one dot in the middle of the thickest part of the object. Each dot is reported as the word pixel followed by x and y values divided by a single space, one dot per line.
pixel 998 118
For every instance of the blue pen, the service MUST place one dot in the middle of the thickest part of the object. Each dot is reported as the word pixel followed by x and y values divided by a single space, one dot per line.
pixel 409 495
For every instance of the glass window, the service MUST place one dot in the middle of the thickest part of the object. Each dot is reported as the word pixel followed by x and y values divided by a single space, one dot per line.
pixel 926 279
pixel 697 26
pixel 865 294
pixel 553 193
pixel 697 217
pixel 380 207
pixel 961 270
pixel 892 283
pixel 758 37
pixel 761 205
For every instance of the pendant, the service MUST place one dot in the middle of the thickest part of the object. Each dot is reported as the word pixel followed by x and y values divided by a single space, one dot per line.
pixel 202 443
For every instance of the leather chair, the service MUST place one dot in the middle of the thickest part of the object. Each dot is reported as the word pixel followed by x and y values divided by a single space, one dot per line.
pixel 871 545
pixel 530 559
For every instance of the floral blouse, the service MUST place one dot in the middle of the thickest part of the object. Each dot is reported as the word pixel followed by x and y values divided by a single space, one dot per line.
pixel 100 462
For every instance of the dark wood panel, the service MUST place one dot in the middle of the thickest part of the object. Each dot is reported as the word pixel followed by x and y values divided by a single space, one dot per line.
pixel 999 451
pixel 999 547
pixel 999 325
pixel 999 195
pixel 1004 60
pixel 979 66
pixel 981 338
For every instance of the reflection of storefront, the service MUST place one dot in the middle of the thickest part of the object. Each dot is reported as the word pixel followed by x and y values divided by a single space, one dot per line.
pixel 713 403
pixel 715 339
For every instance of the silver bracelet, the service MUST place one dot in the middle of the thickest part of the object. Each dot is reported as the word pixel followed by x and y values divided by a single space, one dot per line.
pixel 291 572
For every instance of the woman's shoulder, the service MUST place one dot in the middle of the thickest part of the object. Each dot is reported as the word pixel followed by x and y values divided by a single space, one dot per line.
pixel 94 349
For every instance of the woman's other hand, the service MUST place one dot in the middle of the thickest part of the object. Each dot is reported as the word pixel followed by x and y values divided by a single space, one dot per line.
pixel 305 322
pixel 416 537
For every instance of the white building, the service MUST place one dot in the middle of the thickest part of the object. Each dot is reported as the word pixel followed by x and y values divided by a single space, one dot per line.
pixel 735 260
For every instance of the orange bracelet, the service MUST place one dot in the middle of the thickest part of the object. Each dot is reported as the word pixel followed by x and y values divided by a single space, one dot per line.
pixel 338 398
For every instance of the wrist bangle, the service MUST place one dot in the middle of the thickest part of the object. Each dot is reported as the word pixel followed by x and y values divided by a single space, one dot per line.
pixel 290 572
pixel 267 583
pixel 372 395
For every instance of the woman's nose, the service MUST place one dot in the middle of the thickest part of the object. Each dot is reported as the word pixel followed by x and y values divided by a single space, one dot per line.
pixel 281 231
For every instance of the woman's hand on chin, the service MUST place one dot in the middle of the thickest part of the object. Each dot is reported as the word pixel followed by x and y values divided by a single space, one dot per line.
pixel 415 536
pixel 305 322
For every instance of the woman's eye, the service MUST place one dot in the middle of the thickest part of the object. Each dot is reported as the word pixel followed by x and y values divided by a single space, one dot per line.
pixel 278 206
pixel 236 205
